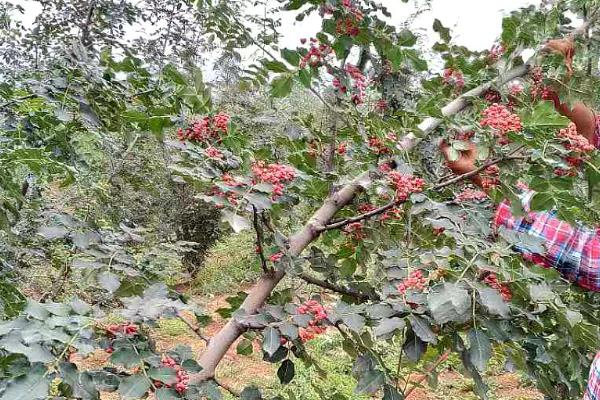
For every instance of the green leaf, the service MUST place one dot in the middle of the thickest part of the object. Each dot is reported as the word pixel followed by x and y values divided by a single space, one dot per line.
pixel 304 76
pixel 250 393
pixel 480 349
pixel 109 281
pixel 291 56
pixel 163 374
pixel 244 347
pixel 191 365
pixel 369 382
pixel 449 302
pixel 282 85
pixel 286 372
pixel 275 66
pixel 441 30
pixel 543 116
pixel 237 222
pixel 166 394
pixel 406 38
pixel 387 326
pixel 32 386
pixel 417 62
pixel 134 387
pixel 422 329
pixel 271 341
pixel 413 346
pixel 171 73
pixel 541 293
pixel 493 302
pixel 391 393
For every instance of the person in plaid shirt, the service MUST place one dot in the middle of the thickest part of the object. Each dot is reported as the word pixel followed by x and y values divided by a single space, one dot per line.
pixel 573 250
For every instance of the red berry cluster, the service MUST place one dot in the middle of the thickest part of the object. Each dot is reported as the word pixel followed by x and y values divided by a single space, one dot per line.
pixel 499 118
pixel 275 174
pixel 490 178
pixel 275 257
pixel 438 231
pixel 347 26
pixel 537 74
pixel 355 230
pixel 464 135
pixel 471 195
pixel 366 207
pixel 342 148
pixel 415 280
pixel 378 146
pixel 454 78
pixel 381 105
pixel 392 213
pixel 579 147
pixel 316 55
pixel 208 129
pixel 359 83
pixel 538 89
pixel 124 329
pixel 496 52
pixel 515 89
pixel 574 141
pixel 492 96
pixel 213 152
pixel 183 377
pixel 405 184
pixel 319 315
pixel 492 281
pixel 230 196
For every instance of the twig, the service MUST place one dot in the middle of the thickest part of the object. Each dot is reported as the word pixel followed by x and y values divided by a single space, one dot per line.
pixel 259 240
pixel 428 371
pixel 359 218
pixel 194 329
pixel 441 185
pixel 8 103
pixel 510 156
pixel 357 294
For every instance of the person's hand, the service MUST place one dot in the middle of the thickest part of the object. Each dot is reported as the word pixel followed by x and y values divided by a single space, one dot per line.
pixel 465 162
pixel 566 47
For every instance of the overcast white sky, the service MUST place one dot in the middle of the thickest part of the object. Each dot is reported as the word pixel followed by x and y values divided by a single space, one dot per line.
pixel 475 24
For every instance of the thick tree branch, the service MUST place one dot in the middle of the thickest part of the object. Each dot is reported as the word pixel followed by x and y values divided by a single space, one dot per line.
pixel 220 343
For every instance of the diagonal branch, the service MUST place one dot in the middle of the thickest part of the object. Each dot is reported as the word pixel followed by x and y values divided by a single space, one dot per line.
pixel 357 294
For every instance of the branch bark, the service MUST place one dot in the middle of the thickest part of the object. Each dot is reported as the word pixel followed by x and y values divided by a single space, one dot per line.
pixel 357 294
pixel 220 343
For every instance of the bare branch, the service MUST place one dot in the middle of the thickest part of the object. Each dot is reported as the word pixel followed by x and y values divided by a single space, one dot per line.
pixel 361 296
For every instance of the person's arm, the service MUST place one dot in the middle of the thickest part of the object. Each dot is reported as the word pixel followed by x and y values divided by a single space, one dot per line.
pixel 581 115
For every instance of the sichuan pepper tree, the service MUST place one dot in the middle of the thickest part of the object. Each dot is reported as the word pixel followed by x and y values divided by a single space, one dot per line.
pixel 408 250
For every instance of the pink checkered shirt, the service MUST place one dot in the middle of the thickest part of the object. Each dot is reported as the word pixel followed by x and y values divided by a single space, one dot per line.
pixel 573 250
